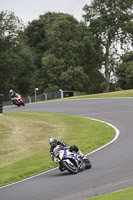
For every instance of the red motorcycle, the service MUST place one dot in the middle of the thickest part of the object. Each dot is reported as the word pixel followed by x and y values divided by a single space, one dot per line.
pixel 18 101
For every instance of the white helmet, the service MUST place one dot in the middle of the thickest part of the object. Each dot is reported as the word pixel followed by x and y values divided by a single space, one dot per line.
pixel 10 91
pixel 53 142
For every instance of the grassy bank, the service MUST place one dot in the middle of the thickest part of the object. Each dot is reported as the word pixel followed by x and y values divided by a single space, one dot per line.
pixel 122 93
pixel 24 149
pixel 119 195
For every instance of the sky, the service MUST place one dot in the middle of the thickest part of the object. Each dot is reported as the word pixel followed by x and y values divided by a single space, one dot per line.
pixel 28 10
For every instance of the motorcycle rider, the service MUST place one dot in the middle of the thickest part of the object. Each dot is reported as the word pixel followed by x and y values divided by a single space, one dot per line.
pixel 53 143
pixel 12 94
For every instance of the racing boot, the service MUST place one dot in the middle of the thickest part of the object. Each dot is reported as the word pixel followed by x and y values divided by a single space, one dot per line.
pixel 81 154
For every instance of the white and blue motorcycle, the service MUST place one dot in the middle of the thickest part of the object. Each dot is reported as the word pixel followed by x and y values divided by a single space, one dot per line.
pixel 70 161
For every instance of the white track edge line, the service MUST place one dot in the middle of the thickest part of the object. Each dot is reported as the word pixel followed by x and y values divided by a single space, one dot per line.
pixel 115 138
pixel 117 131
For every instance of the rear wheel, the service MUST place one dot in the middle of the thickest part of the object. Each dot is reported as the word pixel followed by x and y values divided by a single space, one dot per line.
pixel 70 167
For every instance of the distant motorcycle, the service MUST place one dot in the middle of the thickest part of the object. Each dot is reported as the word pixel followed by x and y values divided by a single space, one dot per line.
pixel 70 161
pixel 18 101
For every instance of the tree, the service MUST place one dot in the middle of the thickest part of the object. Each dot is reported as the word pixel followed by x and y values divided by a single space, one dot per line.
pixel 16 63
pixel 9 25
pixel 61 45
pixel 124 72
pixel 36 39
pixel 110 20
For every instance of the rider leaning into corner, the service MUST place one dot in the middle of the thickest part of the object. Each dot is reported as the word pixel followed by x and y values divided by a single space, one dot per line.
pixel 12 94
pixel 53 143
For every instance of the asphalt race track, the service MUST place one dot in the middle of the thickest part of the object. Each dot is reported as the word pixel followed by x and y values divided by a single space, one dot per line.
pixel 112 166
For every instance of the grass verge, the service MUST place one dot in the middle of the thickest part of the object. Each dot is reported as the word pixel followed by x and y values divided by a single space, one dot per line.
pixel 122 93
pixel 126 194
pixel 24 149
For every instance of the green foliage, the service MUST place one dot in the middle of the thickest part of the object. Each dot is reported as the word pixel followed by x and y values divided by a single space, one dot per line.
pixel 111 22
pixel 55 51
pixel 125 72
pixel 74 78
pixel 68 52
pixel 9 25
pixel 16 61
pixel 109 18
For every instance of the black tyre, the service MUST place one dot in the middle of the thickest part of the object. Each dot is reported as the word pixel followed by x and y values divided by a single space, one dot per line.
pixel 1 110
pixel 61 168
pixel 88 164
pixel 23 103
pixel 71 168
pixel 1 96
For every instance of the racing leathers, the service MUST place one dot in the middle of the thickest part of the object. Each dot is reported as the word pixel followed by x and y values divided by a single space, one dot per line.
pixel 71 148
pixel 12 95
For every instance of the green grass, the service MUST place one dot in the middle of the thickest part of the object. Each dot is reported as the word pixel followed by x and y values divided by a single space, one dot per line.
pixel 126 194
pixel 24 148
pixel 122 93
pixel 24 140
pixel 116 94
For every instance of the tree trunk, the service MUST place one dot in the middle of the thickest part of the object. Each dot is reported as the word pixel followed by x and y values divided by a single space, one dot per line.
pixel 107 72
pixel 107 78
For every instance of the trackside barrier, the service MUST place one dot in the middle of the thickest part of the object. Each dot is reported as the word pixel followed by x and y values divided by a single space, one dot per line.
pixel 60 94
pixel 1 102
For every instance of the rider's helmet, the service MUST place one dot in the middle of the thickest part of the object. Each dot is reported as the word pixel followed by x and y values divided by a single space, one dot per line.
pixel 10 92
pixel 53 142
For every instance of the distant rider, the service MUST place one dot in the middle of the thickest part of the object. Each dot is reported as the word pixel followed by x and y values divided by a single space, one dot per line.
pixel 12 94
pixel 53 143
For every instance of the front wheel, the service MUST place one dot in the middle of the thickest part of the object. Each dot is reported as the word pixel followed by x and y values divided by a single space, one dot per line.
pixel 88 164
pixel 23 104
pixel 70 167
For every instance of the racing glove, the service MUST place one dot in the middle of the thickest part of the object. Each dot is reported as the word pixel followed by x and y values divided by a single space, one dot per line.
pixel 56 160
